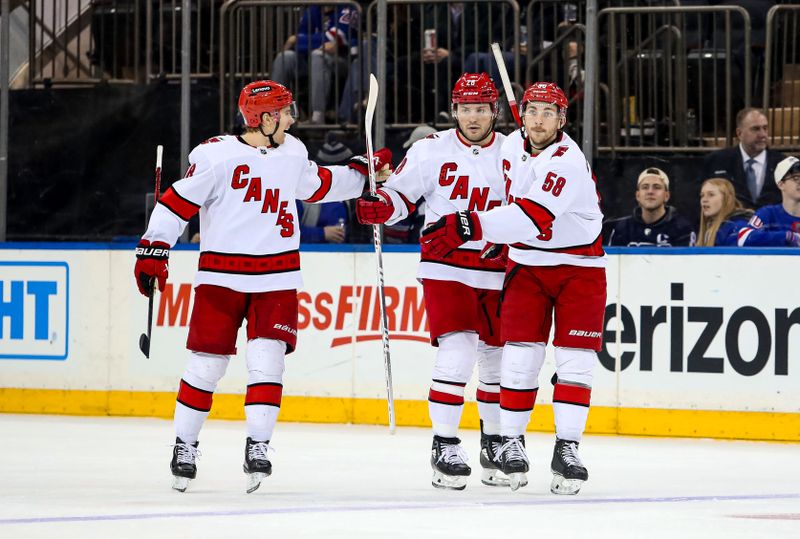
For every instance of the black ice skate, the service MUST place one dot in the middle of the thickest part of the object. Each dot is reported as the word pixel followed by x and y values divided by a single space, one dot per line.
pixel 569 473
pixel 513 460
pixel 256 464
pixel 183 464
pixel 491 474
pixel 449 463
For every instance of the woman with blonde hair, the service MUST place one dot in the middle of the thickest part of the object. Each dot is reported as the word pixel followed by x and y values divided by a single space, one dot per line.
pixel 722 216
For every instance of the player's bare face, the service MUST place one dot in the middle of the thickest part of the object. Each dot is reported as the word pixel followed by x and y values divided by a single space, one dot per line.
pixel 542 122
pixel 475 121
pixel 710 200
pixel 285 121
pixel 651 193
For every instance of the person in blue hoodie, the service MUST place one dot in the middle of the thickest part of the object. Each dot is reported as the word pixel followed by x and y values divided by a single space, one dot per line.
pixel 326 35
pixel 779 224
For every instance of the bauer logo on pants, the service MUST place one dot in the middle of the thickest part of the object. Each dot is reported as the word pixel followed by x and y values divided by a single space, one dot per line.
pixel 34 310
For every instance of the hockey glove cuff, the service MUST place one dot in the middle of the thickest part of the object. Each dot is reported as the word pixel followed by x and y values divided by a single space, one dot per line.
pixel 496 253
pixel 381 158
pixel 451 232
pixel 374 209
pixel 151 263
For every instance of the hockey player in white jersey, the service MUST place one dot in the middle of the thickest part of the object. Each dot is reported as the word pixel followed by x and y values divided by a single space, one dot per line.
pixel 454 170
pixel 245 189
pixel 552 224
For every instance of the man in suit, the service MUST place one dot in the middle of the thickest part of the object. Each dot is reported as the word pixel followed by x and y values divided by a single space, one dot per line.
pixel 750 164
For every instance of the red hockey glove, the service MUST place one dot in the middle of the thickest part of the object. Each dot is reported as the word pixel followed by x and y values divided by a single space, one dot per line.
pixel 151 263
pixel 380 158
pixel 496 253
pixel 451 232
pixel 374 209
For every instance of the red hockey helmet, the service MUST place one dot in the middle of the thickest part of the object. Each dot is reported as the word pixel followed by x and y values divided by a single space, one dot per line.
pixel 262 96
pixel 474 88
pixel 545 92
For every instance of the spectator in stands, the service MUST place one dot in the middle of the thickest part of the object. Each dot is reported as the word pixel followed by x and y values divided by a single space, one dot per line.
pixel 325 33
pixel 325 222
pixel 749 164
pixel 653 222
pixel 401 56
pixel 722 215
pixel 779 224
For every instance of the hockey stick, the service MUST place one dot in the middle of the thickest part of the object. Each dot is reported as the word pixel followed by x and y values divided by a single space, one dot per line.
pixel 501 67
pixel 372 100
pixel 144 338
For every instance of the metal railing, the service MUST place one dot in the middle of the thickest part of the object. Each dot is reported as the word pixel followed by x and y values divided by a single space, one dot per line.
pixel 781 89
pixel 419 79
pixel 254 43
pixel 121 41
pixel 658 64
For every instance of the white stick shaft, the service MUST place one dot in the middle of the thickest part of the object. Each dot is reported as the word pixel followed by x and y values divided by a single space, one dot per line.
pixel 159 154
pixel 501 67
pixel 372 100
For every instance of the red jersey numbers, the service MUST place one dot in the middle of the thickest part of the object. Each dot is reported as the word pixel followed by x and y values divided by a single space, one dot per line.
pixel 553 184
pixel 269 199
pixel 190 171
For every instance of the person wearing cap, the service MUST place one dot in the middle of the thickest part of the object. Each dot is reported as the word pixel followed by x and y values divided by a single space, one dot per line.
pixel 750 164
pixel 779 224
pixel 653 222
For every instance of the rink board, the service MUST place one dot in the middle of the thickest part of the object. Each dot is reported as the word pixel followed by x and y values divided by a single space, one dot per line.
pixel 695 344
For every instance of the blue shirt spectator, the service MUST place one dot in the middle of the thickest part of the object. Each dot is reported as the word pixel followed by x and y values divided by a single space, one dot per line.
pixel 779 224
pixel 322 223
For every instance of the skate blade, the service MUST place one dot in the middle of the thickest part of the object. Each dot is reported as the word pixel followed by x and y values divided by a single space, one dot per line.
pixel 450 482
pixel 561 485
pixel 517 480
pixel 180 483
pixel 494 478
pixel 254 481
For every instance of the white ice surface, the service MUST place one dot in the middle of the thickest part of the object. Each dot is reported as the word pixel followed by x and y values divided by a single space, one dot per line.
pixel 65 477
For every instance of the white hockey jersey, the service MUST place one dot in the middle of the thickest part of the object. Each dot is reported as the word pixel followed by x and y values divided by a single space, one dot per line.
pixel 246 196
pixel 452 176
pixel 553 216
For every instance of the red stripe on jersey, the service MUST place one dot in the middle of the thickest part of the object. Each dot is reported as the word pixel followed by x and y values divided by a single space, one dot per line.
pixel 185 209
pixel 537 213
pixel 249 264
pixel 445 398
pixel 463 258
pixel 487 396
pixel 268 393
pixel 409 205
pixel 197 399
pixel 569 394
pixel 517 400
pixel 593 249
pixel 326 180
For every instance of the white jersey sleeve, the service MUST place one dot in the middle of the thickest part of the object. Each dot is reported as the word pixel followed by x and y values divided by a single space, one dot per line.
pixel 183 199
pixel 329 184
pixel 407 183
